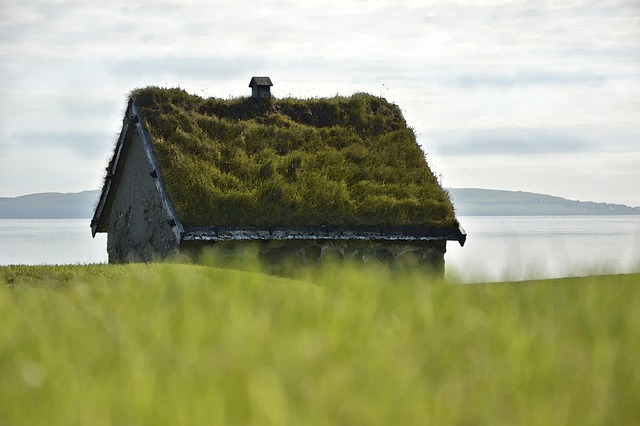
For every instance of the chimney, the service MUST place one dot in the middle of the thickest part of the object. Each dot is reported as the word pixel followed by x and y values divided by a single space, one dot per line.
pixel 260 87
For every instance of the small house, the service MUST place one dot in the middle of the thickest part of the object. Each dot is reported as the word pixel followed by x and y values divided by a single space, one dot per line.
pixel 260 87
pixel 304 180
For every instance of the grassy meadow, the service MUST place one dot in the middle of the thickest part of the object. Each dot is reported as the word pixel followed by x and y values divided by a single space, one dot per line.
pixel 180 344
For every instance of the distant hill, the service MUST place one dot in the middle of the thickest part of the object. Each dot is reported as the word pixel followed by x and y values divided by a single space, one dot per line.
pixel 490 202
pixel 467 202
pixel 50 205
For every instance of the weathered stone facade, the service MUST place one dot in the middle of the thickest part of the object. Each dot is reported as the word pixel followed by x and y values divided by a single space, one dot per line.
pixel 139 228
pixel 278 254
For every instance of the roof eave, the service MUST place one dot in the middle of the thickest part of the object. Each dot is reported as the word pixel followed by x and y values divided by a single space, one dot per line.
pixel 97 224
pixel 132 122
pixel 176 225
pixel 381 233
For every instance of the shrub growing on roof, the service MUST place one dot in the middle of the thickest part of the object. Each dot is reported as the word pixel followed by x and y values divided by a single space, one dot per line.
pixel 343 161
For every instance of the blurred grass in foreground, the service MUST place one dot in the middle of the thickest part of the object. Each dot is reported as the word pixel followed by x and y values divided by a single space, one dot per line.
pixel 187 345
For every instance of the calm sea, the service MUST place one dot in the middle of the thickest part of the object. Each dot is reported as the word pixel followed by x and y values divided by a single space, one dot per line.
pixel 497 248
pixel 50 241
pixel 500 248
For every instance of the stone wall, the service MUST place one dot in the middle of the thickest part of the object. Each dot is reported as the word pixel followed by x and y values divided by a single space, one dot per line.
pixel 139 229
pixel 279 255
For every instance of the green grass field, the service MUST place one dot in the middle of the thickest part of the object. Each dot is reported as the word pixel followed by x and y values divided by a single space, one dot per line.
pixel 188 345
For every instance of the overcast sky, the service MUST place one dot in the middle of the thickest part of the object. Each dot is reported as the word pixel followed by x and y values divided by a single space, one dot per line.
pixel 539 96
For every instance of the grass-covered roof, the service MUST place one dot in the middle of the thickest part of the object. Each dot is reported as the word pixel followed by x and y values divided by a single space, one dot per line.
pixel 344 161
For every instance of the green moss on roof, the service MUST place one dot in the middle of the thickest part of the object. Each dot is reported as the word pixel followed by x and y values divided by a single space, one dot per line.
pixel 339 161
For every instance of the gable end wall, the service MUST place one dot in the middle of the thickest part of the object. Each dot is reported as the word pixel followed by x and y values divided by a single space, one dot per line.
pixel 277 256
pixel 139 228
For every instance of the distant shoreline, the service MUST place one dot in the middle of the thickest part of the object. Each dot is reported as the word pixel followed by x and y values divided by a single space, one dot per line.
pixel 50 205
pixel 467 202
pixel 491 202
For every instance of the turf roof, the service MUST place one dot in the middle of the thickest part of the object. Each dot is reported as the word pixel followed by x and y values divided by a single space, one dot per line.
pixel 342 161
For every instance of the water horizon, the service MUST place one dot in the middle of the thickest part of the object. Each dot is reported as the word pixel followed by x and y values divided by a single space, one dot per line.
pixel 498 248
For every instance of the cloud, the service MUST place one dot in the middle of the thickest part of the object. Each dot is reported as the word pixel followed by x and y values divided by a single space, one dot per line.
pixel 507 141
pixel 200 68
pixel 84 145
pixel 477 77
pixel 525 78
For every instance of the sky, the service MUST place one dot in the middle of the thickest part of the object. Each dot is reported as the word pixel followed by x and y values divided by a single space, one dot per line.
pixel 538 96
